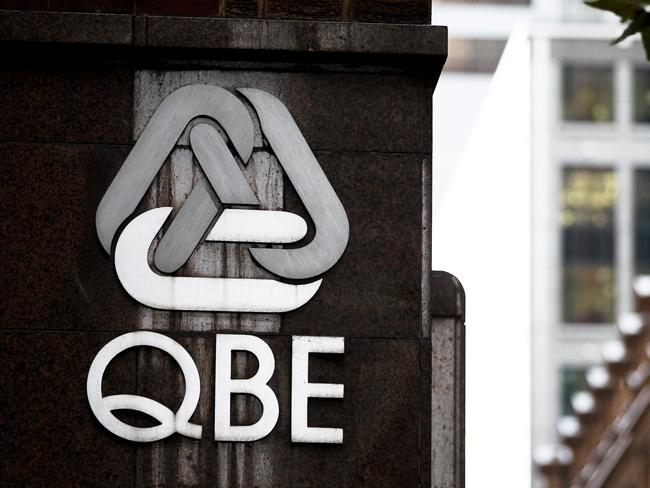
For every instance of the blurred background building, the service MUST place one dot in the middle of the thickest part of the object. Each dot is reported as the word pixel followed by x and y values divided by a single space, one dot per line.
pixel 588 205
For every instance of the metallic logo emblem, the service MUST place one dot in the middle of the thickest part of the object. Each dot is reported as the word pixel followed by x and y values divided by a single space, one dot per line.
pixel 201 218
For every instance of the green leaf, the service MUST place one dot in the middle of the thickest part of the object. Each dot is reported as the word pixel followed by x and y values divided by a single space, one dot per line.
pixel 636 12
pixel 625 9
pixel 640 22
pixel 642 4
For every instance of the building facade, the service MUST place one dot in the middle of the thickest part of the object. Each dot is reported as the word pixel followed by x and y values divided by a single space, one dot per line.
pixel 589 147
pixel 154 154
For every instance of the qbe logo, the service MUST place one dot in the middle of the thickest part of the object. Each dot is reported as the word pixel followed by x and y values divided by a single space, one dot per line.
pixel 233 217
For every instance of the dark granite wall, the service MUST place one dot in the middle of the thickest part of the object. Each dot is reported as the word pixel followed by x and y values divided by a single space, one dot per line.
pixel 392 11
pixel 66 125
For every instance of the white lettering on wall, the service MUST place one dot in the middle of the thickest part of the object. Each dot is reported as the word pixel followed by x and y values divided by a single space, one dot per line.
pixel 170 422
pixel 302 390
pixel 225 387
pixel 257 386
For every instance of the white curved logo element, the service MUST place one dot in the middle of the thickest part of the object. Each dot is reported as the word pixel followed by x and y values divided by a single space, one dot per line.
pixel 205 217
pixel 185 293
pixel 259 226
pixel 170 422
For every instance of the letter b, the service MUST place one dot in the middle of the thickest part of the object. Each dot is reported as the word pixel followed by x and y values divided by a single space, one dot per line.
pixel 225 386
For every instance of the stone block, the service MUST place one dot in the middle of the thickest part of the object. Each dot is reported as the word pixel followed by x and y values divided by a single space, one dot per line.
pixel 201 8
pixel 103 6
pixel 55 273
pixel 54 101
pixel 242 8
pixel 303 9
pixel 391 11
pixel 23 4
pixel 49 435
pixel 62 27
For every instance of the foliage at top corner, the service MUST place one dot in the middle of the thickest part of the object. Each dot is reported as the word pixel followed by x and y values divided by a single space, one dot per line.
pixel 634 13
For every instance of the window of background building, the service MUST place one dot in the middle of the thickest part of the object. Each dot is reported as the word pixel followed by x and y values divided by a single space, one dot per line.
pixel 642 95
pixel 642 221
pixel 474 55
pixel 588 223
pixel 587 93
pixel 572 380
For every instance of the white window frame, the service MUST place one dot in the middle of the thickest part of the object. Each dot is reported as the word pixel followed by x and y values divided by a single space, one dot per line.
pixel 620 145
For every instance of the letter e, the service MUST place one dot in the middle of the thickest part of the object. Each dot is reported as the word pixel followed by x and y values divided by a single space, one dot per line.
pixel 302 390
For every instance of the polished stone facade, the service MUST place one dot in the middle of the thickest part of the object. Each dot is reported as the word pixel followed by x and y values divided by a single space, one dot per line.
pixel 363 103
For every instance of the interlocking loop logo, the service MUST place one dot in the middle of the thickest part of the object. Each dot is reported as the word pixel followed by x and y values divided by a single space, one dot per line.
pixel 159 289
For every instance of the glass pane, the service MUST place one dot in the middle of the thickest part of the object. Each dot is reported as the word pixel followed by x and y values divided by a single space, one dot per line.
pixel 572 380
pixel 588 222
pixel 642 221
pixel 474 55
pixel 642 95
pixel 587 93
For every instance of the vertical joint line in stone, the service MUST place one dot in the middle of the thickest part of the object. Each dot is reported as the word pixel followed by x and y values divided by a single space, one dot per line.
pixel 262 8
pixel 345 10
